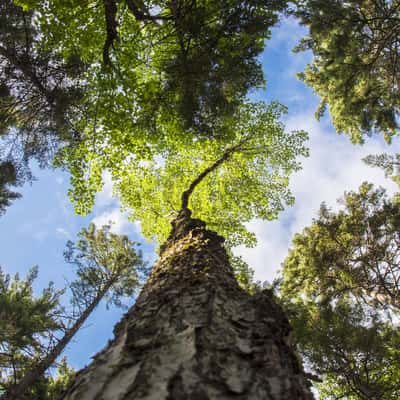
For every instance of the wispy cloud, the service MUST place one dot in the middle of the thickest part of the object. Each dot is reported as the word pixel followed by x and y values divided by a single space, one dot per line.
pixel 63 233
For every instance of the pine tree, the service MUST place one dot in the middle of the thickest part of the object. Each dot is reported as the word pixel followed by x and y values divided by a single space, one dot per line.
pixel 341 291
pixel 355 69
pixel 108 267
pixel 27 325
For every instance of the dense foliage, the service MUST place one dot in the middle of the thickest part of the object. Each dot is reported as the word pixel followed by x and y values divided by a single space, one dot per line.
pixel 8 178
pixel 112 72
pixel 251 181
pixel 341 288
pixel 38 89
pixel 356 67
pixel 155 60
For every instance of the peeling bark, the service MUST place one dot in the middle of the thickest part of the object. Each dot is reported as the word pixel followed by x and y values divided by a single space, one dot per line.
pixel 195 334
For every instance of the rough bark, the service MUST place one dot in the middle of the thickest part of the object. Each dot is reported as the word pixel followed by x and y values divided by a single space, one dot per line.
pixel 195 334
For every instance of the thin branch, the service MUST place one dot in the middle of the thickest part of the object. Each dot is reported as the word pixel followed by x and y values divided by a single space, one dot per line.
pixel 228 152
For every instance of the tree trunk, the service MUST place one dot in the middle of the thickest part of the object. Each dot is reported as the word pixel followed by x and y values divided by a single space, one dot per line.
pixel 195 334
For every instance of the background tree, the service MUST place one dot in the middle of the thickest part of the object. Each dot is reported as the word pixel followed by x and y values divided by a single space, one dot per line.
pixel 38 92
pixel 351 350
pixel 389 163
pixel 8 177
pixel 341 290
pixel 107 267
pixel 28 325
pixel 355 251
pixel 356 67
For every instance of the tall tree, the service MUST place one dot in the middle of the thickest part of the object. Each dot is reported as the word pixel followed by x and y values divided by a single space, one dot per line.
pixel 193 332
pixel 356 67
pixel 72 72
pixel 341 290
pixel 108 267
pixel 164 108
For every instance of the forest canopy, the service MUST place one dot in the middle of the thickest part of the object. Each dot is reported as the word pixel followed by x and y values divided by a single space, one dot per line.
pixel 160 95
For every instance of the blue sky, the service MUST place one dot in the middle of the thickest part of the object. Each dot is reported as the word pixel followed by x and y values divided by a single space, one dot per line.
pixel 35 229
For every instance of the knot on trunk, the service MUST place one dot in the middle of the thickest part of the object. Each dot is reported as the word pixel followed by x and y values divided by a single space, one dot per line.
pixel 183 224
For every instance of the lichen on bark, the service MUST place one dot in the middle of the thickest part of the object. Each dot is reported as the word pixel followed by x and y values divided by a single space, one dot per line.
pixel 195 334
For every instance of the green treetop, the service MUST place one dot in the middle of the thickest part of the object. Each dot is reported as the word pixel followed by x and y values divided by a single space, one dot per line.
pixel 226 184
pixel 341 289
pixel 151 61
pixel 27 325
pixel 107 265
pixel 123 71
pixel 354 251
pixel 356 68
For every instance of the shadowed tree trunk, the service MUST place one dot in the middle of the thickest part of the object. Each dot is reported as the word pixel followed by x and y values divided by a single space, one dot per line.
pixel 195 334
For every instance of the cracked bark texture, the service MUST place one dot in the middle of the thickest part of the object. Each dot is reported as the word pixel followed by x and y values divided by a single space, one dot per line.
pixel 195 334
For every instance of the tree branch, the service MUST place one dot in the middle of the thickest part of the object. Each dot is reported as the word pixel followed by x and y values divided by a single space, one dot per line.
pixel 228 152
pixel 110 10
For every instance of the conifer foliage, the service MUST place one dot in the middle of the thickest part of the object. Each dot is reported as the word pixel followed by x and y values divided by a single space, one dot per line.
pixel 356 67
pixel 341 289
pixel 36 330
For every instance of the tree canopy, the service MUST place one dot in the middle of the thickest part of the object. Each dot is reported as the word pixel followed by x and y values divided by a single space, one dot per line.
pixel 37 91
pixel 341 290
pixel 147 62
pixel 251 181
pixel 143 73
pixel 356 68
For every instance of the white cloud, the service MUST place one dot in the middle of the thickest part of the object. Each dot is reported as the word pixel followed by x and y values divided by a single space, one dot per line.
pixel 105 197
pixel 335 165
pixel 63 233
pixel 119 221
pixel 107 210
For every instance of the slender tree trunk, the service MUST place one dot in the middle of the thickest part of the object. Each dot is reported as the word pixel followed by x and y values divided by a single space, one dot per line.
pixel 195 334
pixel 17 392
